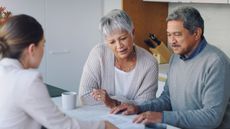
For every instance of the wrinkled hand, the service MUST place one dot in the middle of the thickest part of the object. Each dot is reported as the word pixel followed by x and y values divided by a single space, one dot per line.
pixel 149 118
pixel 126 109
pixel 101 95
pixel 109 125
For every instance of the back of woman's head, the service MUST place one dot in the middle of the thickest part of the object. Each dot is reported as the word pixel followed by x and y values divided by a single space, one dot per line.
pixel 17 34
pixel 115 20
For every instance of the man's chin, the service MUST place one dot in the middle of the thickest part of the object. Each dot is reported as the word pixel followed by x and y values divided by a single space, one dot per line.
pixel 177 52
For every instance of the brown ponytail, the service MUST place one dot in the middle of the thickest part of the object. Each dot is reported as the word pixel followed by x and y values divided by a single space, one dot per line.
pixel 17 34
pixel 3 47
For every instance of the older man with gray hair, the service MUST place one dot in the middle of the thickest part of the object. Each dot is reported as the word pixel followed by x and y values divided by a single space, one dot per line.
pixel 196 93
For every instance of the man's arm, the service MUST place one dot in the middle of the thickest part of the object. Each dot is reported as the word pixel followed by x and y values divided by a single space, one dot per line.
pixel 160 104
pixel 214 98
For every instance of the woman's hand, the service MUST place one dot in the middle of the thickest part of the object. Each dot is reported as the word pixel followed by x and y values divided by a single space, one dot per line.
pixel 149 118
pixel 101 95
pixel 126 109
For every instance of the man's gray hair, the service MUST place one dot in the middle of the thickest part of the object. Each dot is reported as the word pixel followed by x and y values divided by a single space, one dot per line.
pixel 115 20
pixel 190 17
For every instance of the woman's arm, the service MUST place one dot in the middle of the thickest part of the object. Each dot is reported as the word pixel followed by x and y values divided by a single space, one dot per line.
pixel 36 102
pixel 91 78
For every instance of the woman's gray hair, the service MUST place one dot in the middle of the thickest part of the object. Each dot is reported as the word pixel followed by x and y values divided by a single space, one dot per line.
pixel 189 16
pixel 115 20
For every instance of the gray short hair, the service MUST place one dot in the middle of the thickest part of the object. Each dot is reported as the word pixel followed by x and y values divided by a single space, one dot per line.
pixel 190 16
pixel 115 20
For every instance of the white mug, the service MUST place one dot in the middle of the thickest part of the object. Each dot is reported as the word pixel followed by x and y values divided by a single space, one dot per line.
pixel 69 100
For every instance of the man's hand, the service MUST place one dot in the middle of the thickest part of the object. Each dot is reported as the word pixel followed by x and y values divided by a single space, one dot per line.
pixel 126 109
pixel 149 118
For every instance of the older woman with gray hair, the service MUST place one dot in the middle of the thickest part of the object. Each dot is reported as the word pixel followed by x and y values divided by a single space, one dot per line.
pixel 118 70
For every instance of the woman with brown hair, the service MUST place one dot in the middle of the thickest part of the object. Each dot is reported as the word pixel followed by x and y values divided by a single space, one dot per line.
pixel 24 100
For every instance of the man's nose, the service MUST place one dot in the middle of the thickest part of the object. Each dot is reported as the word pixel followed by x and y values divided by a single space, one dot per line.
pixel 172 39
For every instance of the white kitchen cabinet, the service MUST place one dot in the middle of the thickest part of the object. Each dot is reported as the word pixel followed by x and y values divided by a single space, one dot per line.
pixel 191 1
pixel 72 31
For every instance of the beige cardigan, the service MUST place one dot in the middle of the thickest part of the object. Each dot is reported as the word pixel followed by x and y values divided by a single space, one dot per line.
pixel 99 73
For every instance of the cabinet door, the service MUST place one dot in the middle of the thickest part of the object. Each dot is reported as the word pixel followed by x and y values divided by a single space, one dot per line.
pixel 71 32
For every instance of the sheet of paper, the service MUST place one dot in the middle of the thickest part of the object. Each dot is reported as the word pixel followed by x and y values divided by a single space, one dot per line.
pixel 172 127
pixel 122 121
pixel 100 112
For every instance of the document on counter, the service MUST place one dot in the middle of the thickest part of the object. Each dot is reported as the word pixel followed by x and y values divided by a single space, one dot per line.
pixel 100 112
pixel 122 121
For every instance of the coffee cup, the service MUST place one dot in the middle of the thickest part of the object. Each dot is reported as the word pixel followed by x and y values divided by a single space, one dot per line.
pixel 69 100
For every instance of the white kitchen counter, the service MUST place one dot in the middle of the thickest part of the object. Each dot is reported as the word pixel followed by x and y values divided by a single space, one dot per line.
pixel 163 70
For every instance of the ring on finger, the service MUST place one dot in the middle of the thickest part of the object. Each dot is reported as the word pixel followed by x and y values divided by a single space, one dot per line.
pixel 143 115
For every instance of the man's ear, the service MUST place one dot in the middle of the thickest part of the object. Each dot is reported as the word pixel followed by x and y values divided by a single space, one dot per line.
pixel 198 33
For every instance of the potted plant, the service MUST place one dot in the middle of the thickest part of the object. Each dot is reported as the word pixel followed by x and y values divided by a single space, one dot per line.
pixel 4 15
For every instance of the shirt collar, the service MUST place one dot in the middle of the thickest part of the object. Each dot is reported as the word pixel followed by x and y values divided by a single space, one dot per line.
pixel 11 62
pixel 199 48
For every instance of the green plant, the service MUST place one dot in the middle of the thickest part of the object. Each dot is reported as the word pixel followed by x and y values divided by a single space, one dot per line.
pixel 4 15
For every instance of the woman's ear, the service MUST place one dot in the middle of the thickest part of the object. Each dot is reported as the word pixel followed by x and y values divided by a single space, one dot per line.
pixel 133 31
pixel 31 49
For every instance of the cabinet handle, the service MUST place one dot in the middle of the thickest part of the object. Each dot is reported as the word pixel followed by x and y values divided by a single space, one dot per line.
pixel 56 52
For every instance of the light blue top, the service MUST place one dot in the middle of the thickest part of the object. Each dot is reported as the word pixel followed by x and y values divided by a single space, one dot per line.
pixel 197 91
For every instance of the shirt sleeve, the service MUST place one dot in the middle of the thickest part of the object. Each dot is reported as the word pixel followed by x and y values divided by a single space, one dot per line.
pixel 215 97
pixel 36 102
pixel 90 78
pixel 148 86
pixel 159 104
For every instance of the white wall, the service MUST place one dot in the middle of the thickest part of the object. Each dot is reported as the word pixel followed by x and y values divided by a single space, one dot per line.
pixel 34 8
pixel 217 23
pixel 112 4
pixel 71 30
